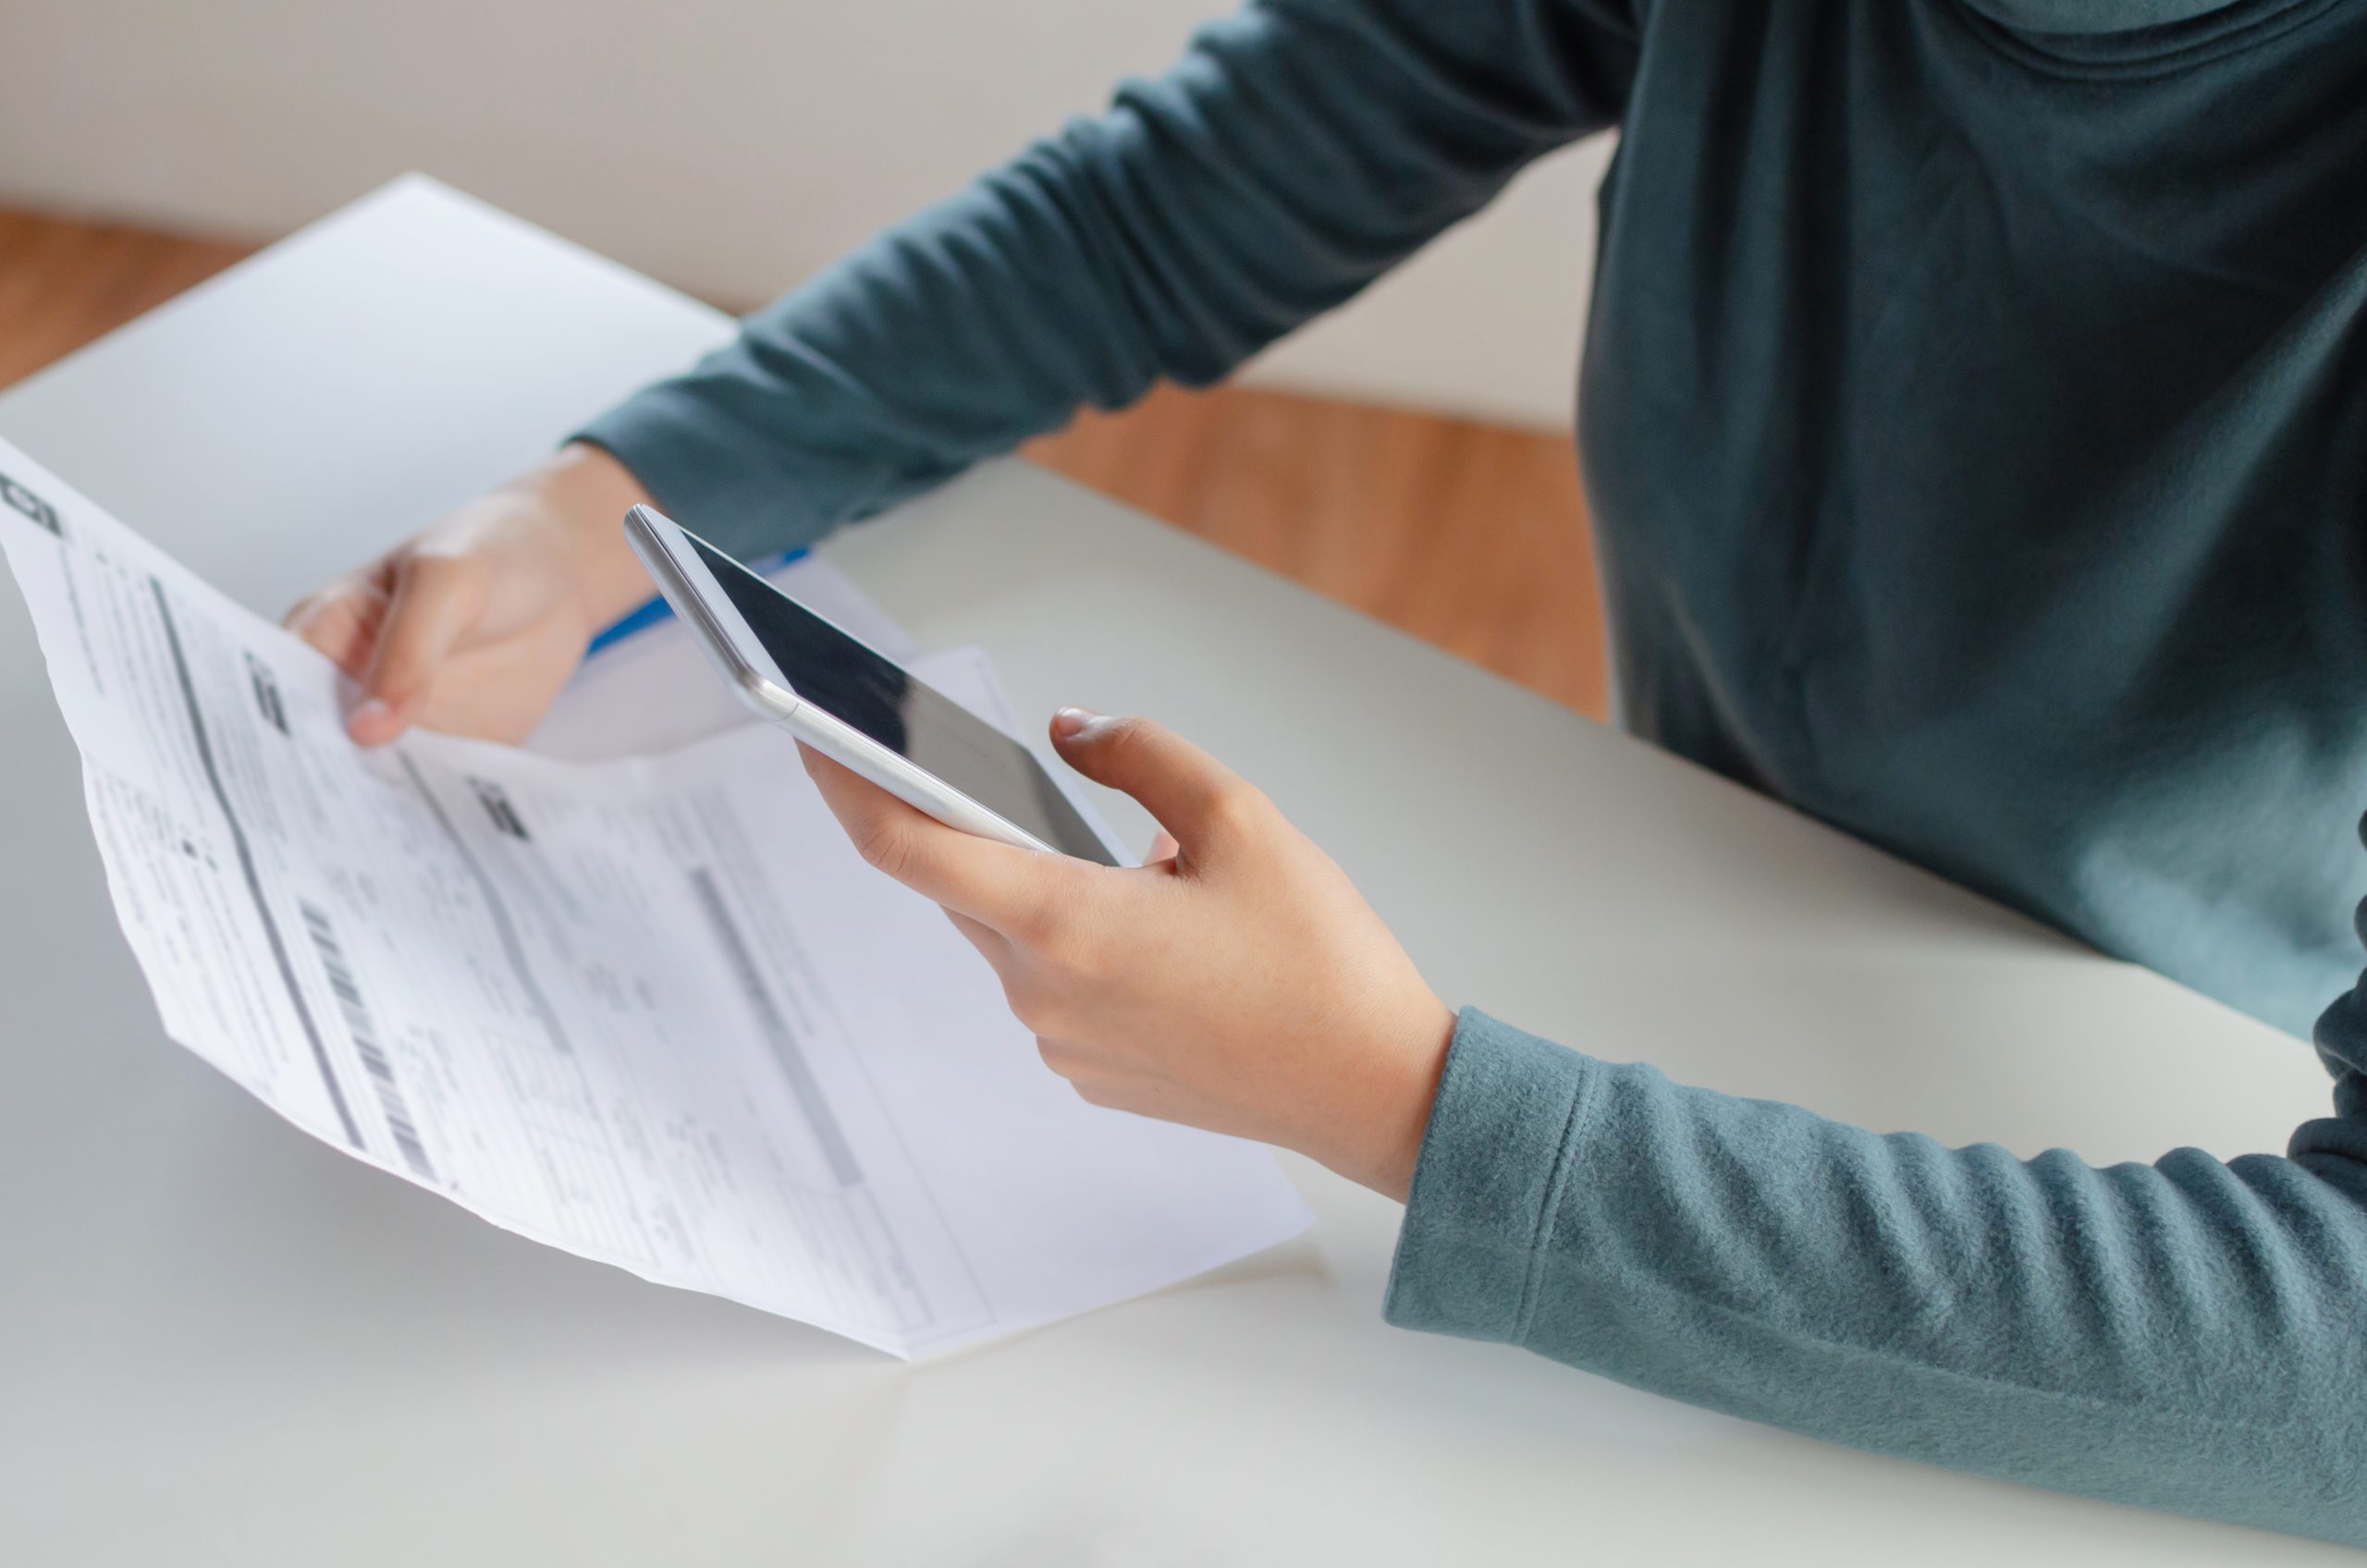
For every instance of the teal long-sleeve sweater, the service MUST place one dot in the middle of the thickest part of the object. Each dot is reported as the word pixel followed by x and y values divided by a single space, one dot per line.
pixel 1975 420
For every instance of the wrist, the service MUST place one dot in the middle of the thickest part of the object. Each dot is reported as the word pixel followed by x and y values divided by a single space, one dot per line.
pixel 1377 1140
pixel 586 492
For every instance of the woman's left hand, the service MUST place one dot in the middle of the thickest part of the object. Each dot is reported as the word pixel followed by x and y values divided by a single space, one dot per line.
pixel 1237 981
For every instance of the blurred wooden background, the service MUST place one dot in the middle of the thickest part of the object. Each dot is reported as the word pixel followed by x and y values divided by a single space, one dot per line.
pixel 1470 537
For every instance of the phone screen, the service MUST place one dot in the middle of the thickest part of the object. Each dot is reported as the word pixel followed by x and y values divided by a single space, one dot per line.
pixel 879 697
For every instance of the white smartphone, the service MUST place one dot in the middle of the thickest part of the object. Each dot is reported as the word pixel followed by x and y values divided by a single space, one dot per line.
pixel 853 704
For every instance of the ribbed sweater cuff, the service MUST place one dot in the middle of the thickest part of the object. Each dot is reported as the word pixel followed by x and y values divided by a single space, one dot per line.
pixel 721 483
pixel 1510 1106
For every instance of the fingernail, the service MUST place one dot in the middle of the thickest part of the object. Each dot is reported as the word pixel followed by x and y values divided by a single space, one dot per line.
pixel 374 711
pixel 1070 722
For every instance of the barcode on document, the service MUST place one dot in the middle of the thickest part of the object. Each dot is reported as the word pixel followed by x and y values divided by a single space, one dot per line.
pixel 364 1030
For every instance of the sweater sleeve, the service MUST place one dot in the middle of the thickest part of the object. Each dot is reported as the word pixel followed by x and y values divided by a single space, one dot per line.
pixel 2186 1335
pixel 1299 149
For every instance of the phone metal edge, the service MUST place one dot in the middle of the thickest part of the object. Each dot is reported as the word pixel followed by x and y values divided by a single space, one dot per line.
pixel 645 531
pixel 908 781
pixel 678 579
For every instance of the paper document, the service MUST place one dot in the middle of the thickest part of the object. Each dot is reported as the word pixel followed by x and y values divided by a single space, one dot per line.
pixel 653 1010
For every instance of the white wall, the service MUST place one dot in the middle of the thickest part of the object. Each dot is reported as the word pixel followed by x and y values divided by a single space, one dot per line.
pixel 727 146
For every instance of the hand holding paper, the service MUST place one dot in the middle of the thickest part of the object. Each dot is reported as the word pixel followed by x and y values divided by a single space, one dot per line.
pixel 653 1010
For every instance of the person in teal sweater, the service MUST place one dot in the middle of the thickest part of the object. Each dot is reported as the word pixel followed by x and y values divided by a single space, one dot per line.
pixel 1974 412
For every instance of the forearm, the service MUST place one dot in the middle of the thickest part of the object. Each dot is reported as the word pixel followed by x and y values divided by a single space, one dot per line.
pixel 2185 1336
pixel 1299 149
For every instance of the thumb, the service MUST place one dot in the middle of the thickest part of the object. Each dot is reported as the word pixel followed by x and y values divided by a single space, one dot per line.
pixel 1201 801
pixel 434 599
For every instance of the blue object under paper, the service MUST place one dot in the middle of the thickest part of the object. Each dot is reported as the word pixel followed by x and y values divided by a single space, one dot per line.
pixel 658 610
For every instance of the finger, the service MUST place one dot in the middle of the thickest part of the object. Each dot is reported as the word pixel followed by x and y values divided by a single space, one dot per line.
pixel 985 939
pixel 1000 886
pixel 1196 798
pixel 305 608
pixel 434 599
pixel 1060 1058
pixel 342 624
pixel 370 585
pixel 1162 849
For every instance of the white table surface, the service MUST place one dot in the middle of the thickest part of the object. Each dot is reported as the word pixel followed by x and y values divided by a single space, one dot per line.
pixel 221 1342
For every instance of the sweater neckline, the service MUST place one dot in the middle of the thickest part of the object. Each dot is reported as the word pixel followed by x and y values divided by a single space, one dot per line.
pixel 2134 38
pixel 2093 16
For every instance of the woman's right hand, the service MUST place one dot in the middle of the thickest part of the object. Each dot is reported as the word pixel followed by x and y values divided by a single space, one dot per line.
pixel 473 626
